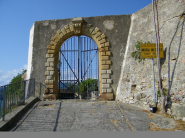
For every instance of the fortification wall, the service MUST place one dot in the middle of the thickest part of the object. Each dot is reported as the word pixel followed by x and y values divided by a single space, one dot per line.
pixel 136 79
pixel 115 28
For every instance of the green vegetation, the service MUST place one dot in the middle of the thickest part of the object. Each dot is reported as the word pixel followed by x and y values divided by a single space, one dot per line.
pixel 164 91
pixel 137 53
pixel 18 77
pixel 91 84
pixel 14 92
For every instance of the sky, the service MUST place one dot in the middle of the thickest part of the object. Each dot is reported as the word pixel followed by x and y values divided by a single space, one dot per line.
pixel 17 17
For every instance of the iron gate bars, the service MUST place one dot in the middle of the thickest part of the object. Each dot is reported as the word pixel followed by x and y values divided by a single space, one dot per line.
pixel 79 71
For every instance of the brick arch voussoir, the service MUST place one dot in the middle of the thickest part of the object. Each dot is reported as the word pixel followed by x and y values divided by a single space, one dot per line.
pixel 53 49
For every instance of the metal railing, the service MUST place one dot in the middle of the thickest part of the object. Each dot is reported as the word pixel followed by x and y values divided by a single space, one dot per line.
pixel 40 89
pixel 15 94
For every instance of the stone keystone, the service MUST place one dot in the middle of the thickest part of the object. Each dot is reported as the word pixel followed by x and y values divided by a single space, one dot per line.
pixel 77 25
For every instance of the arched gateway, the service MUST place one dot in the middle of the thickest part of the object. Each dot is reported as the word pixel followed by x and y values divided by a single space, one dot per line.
pixel 76 27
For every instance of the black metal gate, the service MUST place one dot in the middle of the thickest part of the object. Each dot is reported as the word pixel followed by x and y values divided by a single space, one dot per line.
pixel 78 71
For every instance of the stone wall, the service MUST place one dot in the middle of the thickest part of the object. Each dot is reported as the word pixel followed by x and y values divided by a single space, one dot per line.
pixel 115 28
pixel 136 79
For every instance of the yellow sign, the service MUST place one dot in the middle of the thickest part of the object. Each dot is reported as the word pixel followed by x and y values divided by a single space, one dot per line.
pixel 149 51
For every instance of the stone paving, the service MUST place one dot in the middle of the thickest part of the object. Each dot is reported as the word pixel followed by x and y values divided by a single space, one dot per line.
pixel 73 115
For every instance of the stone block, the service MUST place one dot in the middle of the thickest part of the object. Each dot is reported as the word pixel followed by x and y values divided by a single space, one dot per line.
pixel 105 66
pixel 46 81
pixel 107 44
pixel 106 96
pixel 48 46
pixel 109 80
pixel 49 55
pixel 51 51
pixel 49 68
pixel 103 62
pixel 104 81
pixel 61 35
pixel 49 86
pixel 103 36
pixel 49 77
pixel 104 57
pixel 71 27
pixel 59 32
pixel 106 48
pixel 97 35
pixel 51 64
pixel 109 90
pixel 47 64
pixel 47 73
pixel 104 90
pixel 91 29
pixel 105 76
pixel 96 29
pixel 51 73
pixel 49 97
pixel 50 81
pixel 102 53
pixel 68 30
pixel 63 31
pixel 93 33
pixel 53 47
pixel 138 96
pixel 99 38
pixel 102 41
pixel 108 62
pixel 50 59
pixel 109 71
pixel 103 71
pixel 102 45
pixel 108 53
pixel 52 43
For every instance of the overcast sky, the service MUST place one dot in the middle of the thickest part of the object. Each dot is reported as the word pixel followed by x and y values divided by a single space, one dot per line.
pixel 17 17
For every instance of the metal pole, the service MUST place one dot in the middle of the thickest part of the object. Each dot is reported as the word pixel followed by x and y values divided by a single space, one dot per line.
pixel 24 91
pixel 154 82
pixel 78 63
pixel 3 103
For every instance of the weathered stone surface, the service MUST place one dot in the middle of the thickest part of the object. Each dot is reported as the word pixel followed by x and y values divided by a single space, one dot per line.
pixel 105 85
pixel 109 90
pixel 50 59
pixel 105 76
pixel 47 73
pixel 105 66
pixel 49 77
pixel 109 80
pixel 104 57
pixel 49 68
pixel 51 51
pixel 51 73
pixel 103 71
pixel 178 111
pixel 109 71
pixel 104 81
pixel 141 73
pixel 47 64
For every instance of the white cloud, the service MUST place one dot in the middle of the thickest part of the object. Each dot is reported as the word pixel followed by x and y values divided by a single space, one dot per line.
pixel 7 76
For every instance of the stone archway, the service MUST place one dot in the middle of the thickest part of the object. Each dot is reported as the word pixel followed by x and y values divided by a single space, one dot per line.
pixel 77 28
